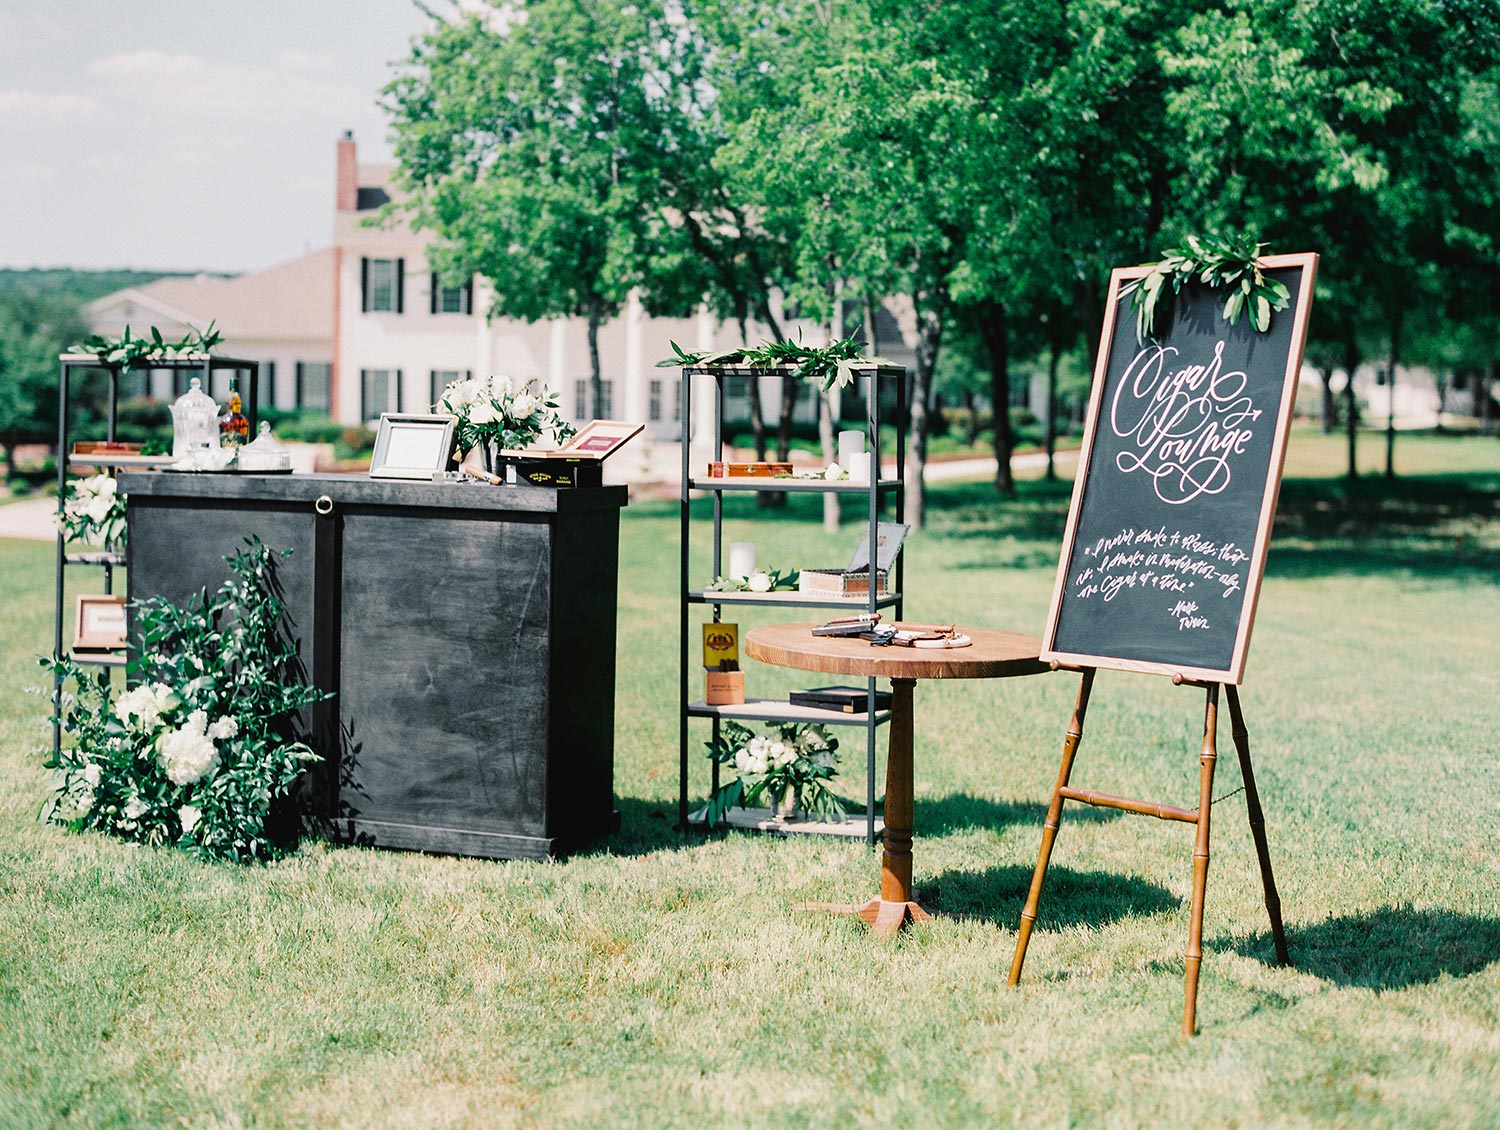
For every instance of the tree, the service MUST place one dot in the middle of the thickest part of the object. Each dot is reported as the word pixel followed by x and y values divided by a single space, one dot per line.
pixel 519 137
pixel 34 329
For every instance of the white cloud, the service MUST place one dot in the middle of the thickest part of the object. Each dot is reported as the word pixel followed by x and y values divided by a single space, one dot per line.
pixel 35 103
pixel 189 87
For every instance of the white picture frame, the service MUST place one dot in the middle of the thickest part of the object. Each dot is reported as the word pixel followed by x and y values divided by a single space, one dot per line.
pixel 412 445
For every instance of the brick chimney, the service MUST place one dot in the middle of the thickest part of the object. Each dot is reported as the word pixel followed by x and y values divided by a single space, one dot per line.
pixel 347 196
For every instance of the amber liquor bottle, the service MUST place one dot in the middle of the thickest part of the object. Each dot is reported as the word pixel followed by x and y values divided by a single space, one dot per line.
pixel 234 428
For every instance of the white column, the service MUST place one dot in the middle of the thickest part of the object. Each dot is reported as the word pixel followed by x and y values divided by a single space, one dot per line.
pixel 557 366
pixel 484 340
pixel 703 398
pixel 636 395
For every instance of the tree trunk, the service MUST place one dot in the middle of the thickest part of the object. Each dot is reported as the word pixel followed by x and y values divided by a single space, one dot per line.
pixel 1351 406
pixel 9 447
pixel 1330 405
pixel 769 499
pixel 971 405
pixel 1390 386
pixel 596 377
pixel 1486 383
pixel 995 331
pixel 929 339
pixel 1052 363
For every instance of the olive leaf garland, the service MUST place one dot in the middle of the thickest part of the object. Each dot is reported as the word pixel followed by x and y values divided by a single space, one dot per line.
pixel 1222 263
pixel 131 352
pixel 832 364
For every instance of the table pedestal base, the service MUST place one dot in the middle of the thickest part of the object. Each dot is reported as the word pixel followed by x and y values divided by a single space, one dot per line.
pixel 885 919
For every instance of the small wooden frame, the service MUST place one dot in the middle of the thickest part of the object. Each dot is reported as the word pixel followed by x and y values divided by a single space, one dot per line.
pixel 99 624
pixel 598 439
pixel 1166 542
pixel 412 446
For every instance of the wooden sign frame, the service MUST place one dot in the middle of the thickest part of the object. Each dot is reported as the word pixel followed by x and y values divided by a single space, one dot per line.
pixel 1233 671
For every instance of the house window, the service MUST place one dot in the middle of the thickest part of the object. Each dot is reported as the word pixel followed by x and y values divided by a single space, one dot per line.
pixel 380 391
pixel 381 283
pixel 661 390
pixel 451 299
pixel 604 410
pixel 441 379
pixel 265 387
pixel 315 385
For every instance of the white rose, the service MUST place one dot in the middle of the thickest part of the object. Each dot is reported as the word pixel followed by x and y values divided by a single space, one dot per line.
pixel 91 774
pixel 99 507
pixel 834 471
pixel 145 704
pixel 483 413
pixel 743 760
pixel 134 810
pixel 225 727
pixel 189 817
pixel 522 406
pixel 188 754
pixel 500 387
pixel 760 582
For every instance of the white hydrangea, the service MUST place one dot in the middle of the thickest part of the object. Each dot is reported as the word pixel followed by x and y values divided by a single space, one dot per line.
pixel 143 706
pixel 189 815
pixel 135 809
pixel 226 727
pixel 91 774
pixel 188 754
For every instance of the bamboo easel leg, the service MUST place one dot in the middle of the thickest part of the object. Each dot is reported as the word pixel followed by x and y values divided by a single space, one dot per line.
pixel 1206 760
pixel 1257 824
pixel 1049 829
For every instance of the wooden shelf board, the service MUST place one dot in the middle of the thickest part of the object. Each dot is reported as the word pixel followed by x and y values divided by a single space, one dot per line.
pixel 94 557
pixel 780 710
pixel 99 658
pixel 806 486
pixel 852 827
pixel 827 600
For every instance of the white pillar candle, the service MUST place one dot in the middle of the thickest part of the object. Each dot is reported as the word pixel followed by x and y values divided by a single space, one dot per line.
pixel 741 558
pixel 851 443
pixel 859 469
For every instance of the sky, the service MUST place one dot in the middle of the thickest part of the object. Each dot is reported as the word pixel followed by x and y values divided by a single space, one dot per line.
pixel 185 135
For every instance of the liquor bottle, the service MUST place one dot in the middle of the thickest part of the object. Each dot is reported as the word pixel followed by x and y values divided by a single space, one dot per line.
pixel 234 428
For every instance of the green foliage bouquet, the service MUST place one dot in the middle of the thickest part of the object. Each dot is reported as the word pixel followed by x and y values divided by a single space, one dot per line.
pixel 189 755
pixel 93 511
pixel 795 761
pixel 512 416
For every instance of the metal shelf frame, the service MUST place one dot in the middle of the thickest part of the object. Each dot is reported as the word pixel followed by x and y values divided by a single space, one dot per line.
pixel 71 366
pixel 881 491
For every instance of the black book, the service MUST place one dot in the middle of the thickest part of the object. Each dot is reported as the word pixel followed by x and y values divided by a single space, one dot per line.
pixel 851 700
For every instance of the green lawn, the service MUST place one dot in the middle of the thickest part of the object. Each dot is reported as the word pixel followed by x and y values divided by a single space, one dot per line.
pixel 656 981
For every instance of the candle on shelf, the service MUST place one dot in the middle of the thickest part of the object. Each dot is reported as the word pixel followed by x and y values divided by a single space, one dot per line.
pixel 851 443
pixel 741 558
pixel 859 469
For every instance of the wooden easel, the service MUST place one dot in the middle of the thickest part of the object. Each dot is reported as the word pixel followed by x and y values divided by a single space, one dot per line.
pixel 1199 816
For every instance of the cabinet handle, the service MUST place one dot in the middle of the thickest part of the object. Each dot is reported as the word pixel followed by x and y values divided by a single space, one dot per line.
pixel 324 505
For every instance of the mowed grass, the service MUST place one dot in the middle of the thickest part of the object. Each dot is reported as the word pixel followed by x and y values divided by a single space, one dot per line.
pixel 658 981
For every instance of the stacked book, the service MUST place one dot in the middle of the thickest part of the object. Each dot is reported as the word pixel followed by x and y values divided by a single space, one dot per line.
pixel 849 700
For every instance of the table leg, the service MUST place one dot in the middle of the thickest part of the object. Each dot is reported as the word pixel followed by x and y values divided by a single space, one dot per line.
pixel 895 906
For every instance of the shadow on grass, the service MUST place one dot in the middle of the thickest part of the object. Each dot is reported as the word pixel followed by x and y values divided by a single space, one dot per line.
pixel 1069 898
pixel 1392 948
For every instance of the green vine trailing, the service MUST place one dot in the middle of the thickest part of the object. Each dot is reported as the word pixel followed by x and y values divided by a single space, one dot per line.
pixel 832 364
pixel 1229 263
pixel 190 755
pixel 132 352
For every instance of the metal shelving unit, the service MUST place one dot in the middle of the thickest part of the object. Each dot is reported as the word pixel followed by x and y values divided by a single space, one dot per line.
pixel 880 494
pixel 71 366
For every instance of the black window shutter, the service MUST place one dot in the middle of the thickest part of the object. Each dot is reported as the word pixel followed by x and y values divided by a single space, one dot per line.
pixel 400 285
pixel 469 296
pixel 364 284
pixel 396 391
pixel 432 304
pixel 364 394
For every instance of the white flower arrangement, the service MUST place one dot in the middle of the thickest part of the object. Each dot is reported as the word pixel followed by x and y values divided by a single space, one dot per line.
pixel 93 511
pixel 794 762
pixel 512 415
pixel 189 755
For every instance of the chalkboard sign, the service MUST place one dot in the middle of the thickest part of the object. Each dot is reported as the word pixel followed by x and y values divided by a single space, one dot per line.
pixel 1182 452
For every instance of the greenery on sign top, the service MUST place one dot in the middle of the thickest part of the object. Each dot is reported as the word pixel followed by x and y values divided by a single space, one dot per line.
pixel 133 352
pixel 190 754
pixel 1223 264
pixel 832 364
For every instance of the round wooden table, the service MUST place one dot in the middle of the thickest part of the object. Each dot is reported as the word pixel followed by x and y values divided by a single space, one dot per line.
pixel 992 655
